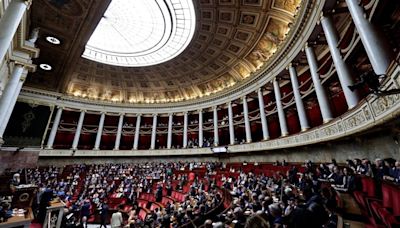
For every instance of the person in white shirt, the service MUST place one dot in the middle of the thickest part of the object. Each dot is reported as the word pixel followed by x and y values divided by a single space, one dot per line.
pixel 116 218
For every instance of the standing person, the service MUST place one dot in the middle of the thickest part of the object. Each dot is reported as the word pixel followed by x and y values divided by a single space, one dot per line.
pixel 159 193
pixel 103 215
pixel 85 209
pixel 169 189
pixel 116 219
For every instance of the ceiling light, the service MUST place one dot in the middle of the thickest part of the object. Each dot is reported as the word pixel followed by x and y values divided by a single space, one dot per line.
pixel 53 40
pixel 45 66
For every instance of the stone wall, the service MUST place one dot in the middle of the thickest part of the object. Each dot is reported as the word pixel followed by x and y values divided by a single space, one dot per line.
pixel 61 161
pixel 17 160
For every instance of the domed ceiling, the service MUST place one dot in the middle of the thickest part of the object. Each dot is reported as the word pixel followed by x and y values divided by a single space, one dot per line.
pixel 232 40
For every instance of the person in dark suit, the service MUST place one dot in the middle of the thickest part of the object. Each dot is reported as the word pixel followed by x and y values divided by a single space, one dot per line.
pixel 85 210
pixel 103 214
pixel 159 194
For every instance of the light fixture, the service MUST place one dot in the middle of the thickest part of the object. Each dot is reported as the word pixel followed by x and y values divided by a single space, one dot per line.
pixel 53 40
pixel 45 66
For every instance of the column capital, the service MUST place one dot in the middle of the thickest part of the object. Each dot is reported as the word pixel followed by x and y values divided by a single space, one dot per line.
pixel 28 3
pixel 17 63
pixel 200 110
pixel 259 90
pixel 103 112
pixel 244 98
pixel 321 16
pixel 138 114
pixel 82 110
pixel 185 112
pixel 307 45
pixel 170 114
pixel 214 107
pixel 121 114
pixel 154 114
pixel 60 107
pixel 289 65
pixel 26 65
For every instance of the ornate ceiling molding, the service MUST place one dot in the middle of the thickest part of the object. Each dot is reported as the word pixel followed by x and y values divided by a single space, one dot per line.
pixel 301 30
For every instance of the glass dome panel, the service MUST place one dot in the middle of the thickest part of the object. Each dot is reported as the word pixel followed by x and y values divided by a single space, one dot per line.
pixel 142 32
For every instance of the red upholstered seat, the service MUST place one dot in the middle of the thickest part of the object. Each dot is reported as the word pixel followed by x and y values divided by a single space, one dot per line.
pixel 395 199
pixel 142 214
pixel 142 203
pixel 368 185
pixel 387 218
pixel 165 201
pixel 154 206
pixel 173 194
pixel 360 198
pixel 127 208
pixel 387 198
pixel 114 195
pixel 368 190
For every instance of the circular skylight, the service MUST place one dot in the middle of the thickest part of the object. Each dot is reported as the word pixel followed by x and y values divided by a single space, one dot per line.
pixel 142 32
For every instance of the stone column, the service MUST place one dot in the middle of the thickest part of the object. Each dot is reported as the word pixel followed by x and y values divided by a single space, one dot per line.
pixel 137 132
pixel 342 68
pixel 299 101
pixel 99 132
pixel 231 128
pixel 377 48
pixel 119 131
pixel 185 129
pixel 78 130
pixel 54 128
pixel 319 89
pixel 263 118
pixel 246 120
pixel 200 128
pixel 279 107
pixel 154 133
pixel 169 136
pixel 215 119
pixel 9 23
pixel 8 95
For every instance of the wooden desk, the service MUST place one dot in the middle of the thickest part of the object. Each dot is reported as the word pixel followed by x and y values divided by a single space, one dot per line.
pixel 19 220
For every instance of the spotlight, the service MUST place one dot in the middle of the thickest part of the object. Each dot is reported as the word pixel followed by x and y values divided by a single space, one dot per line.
pixel 53 40
pixel 45 66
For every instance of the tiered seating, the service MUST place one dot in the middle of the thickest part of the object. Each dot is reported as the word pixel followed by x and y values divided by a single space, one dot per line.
pixel 166 200
pixel 387 209
pixel 368 190
pixel 115 202
pixel 178 196
pixel 142 203
pixel 147 196
pixel 155 205
pixel 143 214
pixel 382 211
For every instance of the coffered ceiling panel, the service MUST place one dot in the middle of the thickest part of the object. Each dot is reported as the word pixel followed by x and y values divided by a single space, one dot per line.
pixel 232 40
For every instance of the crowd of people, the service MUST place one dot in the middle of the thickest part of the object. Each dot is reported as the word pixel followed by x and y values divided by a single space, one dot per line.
pixel 303 196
